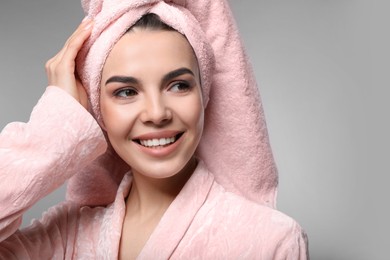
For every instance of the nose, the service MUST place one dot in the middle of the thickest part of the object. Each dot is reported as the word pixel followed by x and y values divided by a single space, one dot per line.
pixel 156 110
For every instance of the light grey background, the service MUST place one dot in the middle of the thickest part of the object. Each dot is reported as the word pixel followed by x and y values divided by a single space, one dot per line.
pixel 322 67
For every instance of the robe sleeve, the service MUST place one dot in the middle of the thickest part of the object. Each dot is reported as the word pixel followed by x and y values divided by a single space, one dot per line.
pixel 52 237
pixel 37 157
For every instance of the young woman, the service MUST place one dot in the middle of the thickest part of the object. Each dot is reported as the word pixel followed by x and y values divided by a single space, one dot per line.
pixel 173 182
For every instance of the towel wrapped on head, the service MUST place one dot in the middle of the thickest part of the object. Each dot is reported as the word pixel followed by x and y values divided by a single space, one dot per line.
pixel 235 144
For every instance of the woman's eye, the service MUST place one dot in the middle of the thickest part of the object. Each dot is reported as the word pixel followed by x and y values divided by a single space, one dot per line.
pixel 180 87
pixel 124 93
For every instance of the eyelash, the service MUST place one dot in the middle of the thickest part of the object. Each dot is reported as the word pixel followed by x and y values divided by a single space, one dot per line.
pixel 130 92
pixel 125 91
pixel 186 85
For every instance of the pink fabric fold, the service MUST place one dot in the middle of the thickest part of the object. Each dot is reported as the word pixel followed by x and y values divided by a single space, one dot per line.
pixel 235 144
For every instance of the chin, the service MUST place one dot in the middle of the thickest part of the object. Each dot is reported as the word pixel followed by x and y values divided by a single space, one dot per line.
pixel 167 169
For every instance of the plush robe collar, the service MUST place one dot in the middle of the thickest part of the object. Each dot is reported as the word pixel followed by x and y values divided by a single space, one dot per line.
pixel 173 224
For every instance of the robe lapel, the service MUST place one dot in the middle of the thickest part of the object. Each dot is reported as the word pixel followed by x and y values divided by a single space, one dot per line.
pixel 112 222
pixel 178 217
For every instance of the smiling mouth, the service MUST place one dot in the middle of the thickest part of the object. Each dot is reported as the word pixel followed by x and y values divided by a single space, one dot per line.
pixel 158 142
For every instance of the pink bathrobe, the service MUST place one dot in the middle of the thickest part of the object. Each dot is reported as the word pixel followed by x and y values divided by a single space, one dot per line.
pixel 204 221
pixel 225 210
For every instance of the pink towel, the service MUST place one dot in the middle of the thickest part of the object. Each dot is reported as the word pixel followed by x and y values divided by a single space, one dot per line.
pixel 235 145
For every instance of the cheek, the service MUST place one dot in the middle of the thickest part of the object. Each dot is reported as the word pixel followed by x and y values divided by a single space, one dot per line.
pixel 194 116
pixel 117 119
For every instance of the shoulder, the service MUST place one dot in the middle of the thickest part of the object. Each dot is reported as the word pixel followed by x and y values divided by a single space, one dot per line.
pixel 245 226
pixel 240 210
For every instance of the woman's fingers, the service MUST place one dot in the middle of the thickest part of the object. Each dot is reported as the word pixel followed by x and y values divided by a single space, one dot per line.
pixel 81 29
pixel 61 68
pixel 76 40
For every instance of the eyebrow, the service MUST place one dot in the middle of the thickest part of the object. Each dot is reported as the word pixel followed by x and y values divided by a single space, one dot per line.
pixel 171 75
pixel 177 73
pixel 122 79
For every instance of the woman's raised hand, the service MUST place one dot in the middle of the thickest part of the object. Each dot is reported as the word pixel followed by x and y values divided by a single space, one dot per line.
pixel 60 69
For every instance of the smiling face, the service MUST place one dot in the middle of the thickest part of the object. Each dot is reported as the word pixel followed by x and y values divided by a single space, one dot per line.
pixel 151 101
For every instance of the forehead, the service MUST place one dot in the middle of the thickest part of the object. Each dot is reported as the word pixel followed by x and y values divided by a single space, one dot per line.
pixel 148 49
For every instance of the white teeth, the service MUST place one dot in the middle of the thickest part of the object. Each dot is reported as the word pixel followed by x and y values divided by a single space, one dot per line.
pixel 157 142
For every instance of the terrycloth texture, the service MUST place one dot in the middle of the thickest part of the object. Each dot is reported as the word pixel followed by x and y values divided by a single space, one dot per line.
pixel 213 227
pixel 209 222
pixel 39 156
pixel 235 145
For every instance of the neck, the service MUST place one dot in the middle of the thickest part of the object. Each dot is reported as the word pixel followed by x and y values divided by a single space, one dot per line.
pixel 149 196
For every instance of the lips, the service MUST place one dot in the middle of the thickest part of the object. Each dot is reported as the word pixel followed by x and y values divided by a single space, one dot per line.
pixel 156 140
pixel 159 144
